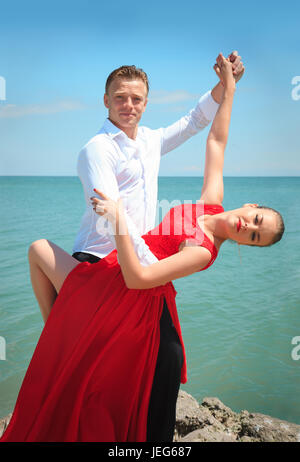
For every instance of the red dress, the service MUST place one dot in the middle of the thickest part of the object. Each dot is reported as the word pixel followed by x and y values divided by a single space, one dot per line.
pixel 91 373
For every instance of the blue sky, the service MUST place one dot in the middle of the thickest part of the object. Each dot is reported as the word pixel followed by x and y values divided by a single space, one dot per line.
pixel 55 58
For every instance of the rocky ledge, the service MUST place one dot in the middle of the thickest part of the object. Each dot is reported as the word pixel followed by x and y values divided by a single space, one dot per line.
pixel 212 421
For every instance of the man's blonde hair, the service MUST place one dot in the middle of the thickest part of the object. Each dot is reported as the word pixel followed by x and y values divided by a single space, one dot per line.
pixel 127 72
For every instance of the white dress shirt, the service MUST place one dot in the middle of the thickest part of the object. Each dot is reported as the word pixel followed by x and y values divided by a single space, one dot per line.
pixel 122 167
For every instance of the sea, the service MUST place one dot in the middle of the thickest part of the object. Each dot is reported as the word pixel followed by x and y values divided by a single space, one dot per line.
pixel 240 318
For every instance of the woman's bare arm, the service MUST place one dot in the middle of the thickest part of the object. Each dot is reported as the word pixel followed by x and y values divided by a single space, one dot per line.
pixel 187 261
pixel 212 191
pixel 183 263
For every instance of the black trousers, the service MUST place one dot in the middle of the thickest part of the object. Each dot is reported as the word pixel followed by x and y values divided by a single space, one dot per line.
pixel 166 382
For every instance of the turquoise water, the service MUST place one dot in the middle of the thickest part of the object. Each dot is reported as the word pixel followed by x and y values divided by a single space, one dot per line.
pixel 238 318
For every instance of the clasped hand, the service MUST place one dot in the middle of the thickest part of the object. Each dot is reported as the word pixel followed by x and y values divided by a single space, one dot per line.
pixel 229 70
pixel 224 71
pixel 238 68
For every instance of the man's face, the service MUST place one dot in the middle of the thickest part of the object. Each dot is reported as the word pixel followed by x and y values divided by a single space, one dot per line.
pixel 126 101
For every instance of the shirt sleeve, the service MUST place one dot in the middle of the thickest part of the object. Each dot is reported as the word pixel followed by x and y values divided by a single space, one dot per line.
pixel 196 120
pixel 96 168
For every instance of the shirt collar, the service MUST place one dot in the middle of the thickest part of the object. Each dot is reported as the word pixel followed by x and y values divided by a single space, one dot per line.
pixel 111 129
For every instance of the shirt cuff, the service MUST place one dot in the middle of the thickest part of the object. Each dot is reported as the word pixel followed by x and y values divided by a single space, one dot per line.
pixel 208 105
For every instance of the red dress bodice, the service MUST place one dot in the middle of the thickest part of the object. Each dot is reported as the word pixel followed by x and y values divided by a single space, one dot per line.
pixel 181 224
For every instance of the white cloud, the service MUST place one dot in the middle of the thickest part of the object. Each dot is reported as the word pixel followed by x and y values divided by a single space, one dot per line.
pixel 169 97
pixel 15 111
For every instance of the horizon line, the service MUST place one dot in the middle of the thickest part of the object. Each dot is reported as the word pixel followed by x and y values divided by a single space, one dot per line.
pixel 161 176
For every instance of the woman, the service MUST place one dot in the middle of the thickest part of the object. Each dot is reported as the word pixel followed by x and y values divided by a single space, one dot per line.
pixel 92 375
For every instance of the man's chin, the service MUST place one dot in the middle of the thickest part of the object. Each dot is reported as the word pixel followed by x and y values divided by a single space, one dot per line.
pixel 130 121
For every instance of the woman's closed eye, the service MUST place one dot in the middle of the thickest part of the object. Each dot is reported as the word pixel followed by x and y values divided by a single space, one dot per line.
pixel 254 234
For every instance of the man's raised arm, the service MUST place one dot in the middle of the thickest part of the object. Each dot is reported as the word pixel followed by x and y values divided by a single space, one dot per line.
pixel 199 117
pixel 186 127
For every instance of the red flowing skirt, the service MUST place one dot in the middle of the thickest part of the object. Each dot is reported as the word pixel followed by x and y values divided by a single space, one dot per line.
pixel 91 373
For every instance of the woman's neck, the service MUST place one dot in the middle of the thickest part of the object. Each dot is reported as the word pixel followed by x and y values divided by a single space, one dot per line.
pixel 214 225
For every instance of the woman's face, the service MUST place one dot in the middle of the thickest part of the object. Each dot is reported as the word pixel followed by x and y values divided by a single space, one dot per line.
pixel 250 225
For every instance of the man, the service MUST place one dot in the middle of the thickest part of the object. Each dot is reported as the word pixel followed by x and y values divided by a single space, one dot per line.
pixel 122 160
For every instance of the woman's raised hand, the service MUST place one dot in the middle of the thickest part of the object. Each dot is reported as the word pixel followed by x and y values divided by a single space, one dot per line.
pixel 224 71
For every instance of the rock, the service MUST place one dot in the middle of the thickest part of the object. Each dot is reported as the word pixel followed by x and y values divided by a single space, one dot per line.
pixel 213 421
pixel 223 414
pixel 3 423
pixel 269 429
pixel 189 415
pixel 205 435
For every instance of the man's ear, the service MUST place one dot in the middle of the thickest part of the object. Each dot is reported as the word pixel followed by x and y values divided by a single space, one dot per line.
pixel 250 205
pixel 105 100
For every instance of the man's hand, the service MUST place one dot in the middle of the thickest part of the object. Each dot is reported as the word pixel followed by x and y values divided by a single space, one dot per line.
pixel 237 65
